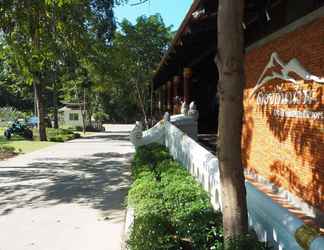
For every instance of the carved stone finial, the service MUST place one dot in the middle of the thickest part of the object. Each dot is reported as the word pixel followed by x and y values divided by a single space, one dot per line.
pixel 137 133
pixel 139 125
pixel 192 106
pixel 166 117
pixel 184 108
pixel 193 112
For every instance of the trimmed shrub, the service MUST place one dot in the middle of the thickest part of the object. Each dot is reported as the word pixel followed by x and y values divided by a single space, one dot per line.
pixel 149 156
pixel 7 149
pixel 78 128
pixel 62 135
pixel 188 204
pixel 69 137
pixel 151 225
pixel 172 211
pixel 77 135
pixel 65 132
pixel 244 242
pixel 145 195
pixel 152 232
pixel 165 192
pixel 57 138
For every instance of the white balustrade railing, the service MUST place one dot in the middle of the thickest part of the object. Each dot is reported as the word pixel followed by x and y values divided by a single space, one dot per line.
pixel 271 222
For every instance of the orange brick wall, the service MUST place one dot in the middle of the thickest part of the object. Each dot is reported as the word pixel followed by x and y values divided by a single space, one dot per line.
pixel 287 151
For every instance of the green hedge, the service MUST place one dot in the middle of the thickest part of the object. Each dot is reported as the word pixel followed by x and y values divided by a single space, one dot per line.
pixel 62 135
pixel 7 149
pixel 172 211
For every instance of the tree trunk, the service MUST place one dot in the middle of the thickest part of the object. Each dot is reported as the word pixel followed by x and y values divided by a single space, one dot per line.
pixel 83 111
pixel 230 61
pixel 152 105
pixel 35 101
pixel 55 112
pixel 89 116
pixel 91 107
pixel 40 111
pixel 38 87
pixel 141 102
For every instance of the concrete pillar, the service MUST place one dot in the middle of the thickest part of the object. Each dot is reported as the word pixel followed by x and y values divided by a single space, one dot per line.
pixel 187 85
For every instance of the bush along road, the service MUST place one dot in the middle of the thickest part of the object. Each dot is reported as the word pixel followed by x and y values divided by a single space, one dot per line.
pixel 7 152
pixel 172 211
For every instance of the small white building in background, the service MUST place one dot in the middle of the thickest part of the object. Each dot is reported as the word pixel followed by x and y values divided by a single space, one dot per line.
pixel 70 115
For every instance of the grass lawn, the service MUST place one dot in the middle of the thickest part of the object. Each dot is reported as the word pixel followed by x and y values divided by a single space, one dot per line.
pixel 24 145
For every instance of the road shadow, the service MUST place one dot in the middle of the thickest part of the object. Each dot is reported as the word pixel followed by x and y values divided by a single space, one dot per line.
pixel 99 181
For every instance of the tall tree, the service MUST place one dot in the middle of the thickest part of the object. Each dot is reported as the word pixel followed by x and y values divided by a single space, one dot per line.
pixel 27 29
pixel 137 50
pixel 230 61
pixel 13 90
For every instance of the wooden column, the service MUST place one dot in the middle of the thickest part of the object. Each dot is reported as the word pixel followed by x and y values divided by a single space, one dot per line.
pixel 187 85
pixel 165 98
pixel 155 102
pixel 176 95
pixel 170 97
pixel 160 99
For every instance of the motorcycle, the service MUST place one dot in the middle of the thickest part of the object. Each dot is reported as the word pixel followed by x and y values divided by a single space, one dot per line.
pixel 18 129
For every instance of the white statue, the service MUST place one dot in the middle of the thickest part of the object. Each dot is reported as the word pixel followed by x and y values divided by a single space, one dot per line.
pixel 184 108
pixel 193 112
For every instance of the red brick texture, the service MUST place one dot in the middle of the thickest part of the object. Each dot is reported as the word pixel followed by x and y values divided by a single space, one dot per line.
pixel 288 151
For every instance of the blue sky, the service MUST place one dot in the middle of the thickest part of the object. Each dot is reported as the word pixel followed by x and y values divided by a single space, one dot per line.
pixel 172 11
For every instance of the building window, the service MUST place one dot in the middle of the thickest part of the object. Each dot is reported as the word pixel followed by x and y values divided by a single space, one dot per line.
pixel 74 117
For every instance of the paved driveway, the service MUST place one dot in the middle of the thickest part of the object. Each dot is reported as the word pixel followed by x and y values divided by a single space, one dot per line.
pixel 67 197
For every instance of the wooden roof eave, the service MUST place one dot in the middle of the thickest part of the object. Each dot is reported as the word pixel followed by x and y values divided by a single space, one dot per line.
pixel 177 43
pixel 177 39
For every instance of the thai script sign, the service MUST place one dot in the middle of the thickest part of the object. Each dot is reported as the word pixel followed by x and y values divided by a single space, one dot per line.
pixel 286 98
pixel 305 114
pixel 298 96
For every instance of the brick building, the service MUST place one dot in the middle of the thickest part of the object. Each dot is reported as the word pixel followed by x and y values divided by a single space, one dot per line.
pixel 283 125
pixel 283 134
